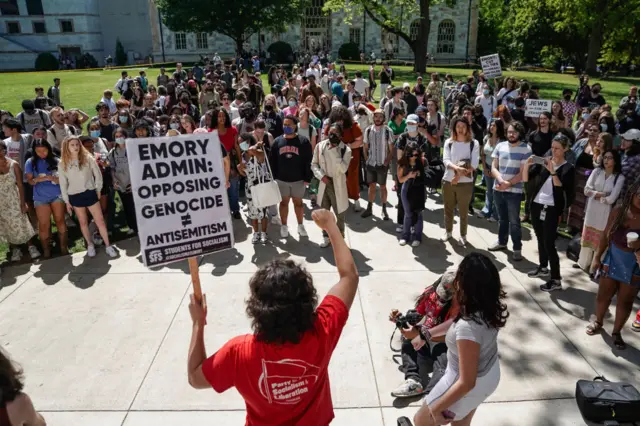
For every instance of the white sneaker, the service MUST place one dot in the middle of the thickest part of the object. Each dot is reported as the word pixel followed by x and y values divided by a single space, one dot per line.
pixel 16 255
pixel 447 236
pixel 263 238
pixel 130 232
pixel 276 220
pixel 111 251
pixel 91 251
pixel 326 242
pixel 402 242
pixel 356 206
pixel 255 238
pixel 463 241
pixel 33 252
pixel 301 231
pixel 415 243
pixel 284 231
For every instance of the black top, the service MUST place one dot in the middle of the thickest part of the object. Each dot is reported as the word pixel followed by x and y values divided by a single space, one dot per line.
pixel 564 195
pixel 290 159
pixel 540 142
pixel 412 102
pixel 416 194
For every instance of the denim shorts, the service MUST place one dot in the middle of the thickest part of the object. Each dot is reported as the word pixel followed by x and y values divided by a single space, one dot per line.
pixel 57 199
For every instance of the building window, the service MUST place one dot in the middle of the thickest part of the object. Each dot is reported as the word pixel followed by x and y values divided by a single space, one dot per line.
pixel 66 26
pixel 202 42
pixel 34 7
pixel 316 27
pixel 181 41
pixel 414 29
pixel 354 35
pixel 39 27
pixel 9 7
pixel 446 37
pixel 13 27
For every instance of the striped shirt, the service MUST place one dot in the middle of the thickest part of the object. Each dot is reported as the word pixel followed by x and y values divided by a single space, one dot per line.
pixel 510 160
pixel 377 141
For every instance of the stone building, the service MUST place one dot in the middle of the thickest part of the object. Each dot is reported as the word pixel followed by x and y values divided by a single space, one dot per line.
pixel 74 27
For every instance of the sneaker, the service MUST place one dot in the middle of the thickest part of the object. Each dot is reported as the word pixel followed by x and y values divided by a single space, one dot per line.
pixel 407 389
pixel 16 255
pixel 551 285
pixel 492 219
pixel 635 325
pixel 463 241
pixel 481 215
pixel 447 236
pixel 263 238
pixel 130 232
pixel 356 206
pixel 276 220
pixel 301 231
pixel 471 211
pixel 497 246
pixel 33 252
pixel 368 212
pixel 236 215
pixel 255 238
pixel 399 228
pixel 326 242
pixel 517 255
pixel 538 272
pixel 402 242
pixel 111 251
pixel 284 231
pixel 415 243
pixel 91 251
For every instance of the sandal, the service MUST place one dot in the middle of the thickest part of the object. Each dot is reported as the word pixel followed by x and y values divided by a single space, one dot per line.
pixel 594 328
pixel 618 342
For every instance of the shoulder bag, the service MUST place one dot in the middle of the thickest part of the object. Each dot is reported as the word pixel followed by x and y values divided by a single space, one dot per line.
pixel 600 400
pixel 265 194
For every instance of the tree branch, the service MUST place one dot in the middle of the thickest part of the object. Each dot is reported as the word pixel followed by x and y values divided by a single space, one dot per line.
pixel 389 28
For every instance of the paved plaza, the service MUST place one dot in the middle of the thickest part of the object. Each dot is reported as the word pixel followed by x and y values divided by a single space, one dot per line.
pixel 104 342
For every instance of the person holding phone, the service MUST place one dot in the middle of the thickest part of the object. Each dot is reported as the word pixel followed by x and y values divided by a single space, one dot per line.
pixel 552 192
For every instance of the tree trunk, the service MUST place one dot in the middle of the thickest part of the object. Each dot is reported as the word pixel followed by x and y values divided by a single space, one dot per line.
pixel 595 43
pixel 239 45
pixel 419 46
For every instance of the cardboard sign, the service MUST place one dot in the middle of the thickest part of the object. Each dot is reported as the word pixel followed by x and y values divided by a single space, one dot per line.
pixel 491 67
pixel 179 189
pixel 534 107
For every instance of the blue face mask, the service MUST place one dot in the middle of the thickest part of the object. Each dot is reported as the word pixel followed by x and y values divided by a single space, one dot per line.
pixel 585 116
pixel 123 118
pixel 485 92
pixel 604 127
pixel 120 141
pixel 412 128
pixel 288 130
pixel 244 146
pixel 292 103
pixel 95 133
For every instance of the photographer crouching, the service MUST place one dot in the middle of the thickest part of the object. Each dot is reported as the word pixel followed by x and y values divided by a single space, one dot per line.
pixel 423 329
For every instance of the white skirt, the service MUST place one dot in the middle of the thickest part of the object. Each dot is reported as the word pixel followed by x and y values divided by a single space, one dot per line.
pixel 484 387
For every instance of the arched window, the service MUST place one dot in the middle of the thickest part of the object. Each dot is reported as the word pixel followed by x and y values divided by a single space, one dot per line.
pixel 413 29
pixel 446 36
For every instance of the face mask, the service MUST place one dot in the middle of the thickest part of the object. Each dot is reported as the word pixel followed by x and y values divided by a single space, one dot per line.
pixel 604 127
pixel 174 126
pixel 585 116
pixel 95 133
pixel 292 103
pixel 268 108
pixel 244 146
pixel 511 106
pixel 357 103
pixel 123 118
pixel 567 97
pixel 288 130
pixel 485 92
pixel 334 139
pixel 412 128
pixel 120 141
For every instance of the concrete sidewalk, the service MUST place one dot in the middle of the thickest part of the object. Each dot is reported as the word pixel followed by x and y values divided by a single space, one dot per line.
pixel 104 342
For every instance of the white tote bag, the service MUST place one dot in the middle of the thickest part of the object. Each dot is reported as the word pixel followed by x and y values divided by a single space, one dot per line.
pixel 265 194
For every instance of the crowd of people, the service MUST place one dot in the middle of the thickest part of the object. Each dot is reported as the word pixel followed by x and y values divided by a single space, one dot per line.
pixel 316 130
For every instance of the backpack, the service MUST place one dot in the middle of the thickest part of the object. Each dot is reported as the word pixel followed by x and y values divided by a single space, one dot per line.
pixel 40 112
pixel 72 130
pixel 50 92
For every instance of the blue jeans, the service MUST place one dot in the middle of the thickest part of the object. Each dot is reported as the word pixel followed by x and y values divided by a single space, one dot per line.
pixel 508 206
pixel 233 193
pixel 489 206
pixel 410 218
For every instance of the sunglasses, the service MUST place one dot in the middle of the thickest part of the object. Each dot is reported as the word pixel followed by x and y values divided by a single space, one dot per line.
pixel 608 157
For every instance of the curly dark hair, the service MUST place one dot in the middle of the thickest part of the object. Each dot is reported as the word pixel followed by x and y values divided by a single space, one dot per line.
pixel 341 113
pixel 282 302
pixel 479 291
pixel 11 379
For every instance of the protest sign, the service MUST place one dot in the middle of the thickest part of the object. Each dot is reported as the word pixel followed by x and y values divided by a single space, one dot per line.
pixel 491 67
pixel 179 189
pixel 534 107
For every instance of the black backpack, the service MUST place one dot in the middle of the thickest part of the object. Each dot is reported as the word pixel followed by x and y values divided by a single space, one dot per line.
pixel 72 130
pixel 40 113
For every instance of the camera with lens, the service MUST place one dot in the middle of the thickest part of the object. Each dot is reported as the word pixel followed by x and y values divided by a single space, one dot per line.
pixel 410 319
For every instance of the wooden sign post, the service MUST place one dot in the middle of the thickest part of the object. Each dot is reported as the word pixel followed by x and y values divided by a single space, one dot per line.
pixel 195 279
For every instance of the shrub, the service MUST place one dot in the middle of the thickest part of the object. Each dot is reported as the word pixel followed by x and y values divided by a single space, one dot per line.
pixel 46 62
pixel 121 55
pixel 281 52
pixel 87 60
pixel 349 51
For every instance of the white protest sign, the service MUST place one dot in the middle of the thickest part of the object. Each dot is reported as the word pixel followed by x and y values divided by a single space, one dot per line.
pixel 179 189
pixel 491 67
pixel 534 107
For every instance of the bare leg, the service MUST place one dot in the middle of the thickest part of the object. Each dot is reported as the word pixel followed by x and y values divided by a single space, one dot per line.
pixel 383 194
pixel 466 421
pixel 81 213
pixel 372 192
pixel 299 209
pixel 265 222
pixel 98 218
pixel 43 213
pixel 284 210
pixel 254 223
pixel 606 291
pixel 423 417
pixel 626 296
pixel 58 216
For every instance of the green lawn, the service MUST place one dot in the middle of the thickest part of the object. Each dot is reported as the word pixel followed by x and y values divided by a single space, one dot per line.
pixel 83 89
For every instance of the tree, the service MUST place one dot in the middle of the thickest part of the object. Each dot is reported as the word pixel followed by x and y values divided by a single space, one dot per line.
pixel 394 16
pixel 121 55
pixel 236 19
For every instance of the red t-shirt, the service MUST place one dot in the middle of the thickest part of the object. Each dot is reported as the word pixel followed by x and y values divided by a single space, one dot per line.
pixel 229 139
pixel 282 384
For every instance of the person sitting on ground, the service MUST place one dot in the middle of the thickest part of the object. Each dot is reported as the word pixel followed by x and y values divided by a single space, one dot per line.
pixel 291 344
pixel 16 408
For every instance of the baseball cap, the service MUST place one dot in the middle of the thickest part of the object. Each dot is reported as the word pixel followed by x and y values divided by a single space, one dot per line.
pixel 631 135
pixel 405 85
pixel 412 118
pixel 421 108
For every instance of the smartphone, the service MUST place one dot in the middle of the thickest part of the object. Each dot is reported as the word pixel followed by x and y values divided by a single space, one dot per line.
pixel 538 160
pixel 448 414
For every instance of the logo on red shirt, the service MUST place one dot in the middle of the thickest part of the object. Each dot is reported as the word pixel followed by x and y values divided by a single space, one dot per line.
pixel 286 381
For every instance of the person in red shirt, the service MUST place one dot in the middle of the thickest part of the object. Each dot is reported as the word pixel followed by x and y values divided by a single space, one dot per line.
pixel 281 369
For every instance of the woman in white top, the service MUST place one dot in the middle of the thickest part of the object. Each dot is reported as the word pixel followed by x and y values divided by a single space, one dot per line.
pixel 80 184
pixel 602 191
pixel 461 157
pixel 509 90
pixel 473 368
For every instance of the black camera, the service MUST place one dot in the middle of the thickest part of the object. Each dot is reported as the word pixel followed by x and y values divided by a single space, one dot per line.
pixel 411 318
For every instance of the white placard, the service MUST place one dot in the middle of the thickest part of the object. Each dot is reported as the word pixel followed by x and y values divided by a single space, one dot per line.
pixel 179 189
pixel 534 107
pixel 491 67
